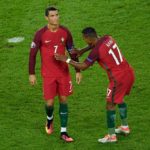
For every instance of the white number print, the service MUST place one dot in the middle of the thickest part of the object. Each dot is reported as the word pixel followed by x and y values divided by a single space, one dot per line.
pixel 55 48
pixel 108 92
pixel 118 61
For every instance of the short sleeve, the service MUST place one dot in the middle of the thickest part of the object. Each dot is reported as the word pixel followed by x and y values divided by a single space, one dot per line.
pixel 92 57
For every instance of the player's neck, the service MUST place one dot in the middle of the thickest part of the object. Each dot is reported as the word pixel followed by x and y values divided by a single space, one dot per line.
pixel 53 28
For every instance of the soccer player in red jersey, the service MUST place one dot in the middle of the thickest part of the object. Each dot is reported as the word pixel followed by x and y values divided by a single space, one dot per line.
pixel 121 77
pixel 53 38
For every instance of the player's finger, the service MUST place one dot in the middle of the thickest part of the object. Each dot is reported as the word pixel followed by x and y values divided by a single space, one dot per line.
pixel 33 82
pixel 78 80
pixel 56 55
pixel 73 52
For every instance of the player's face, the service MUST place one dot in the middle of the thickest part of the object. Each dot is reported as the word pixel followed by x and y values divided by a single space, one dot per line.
pixel 53 18
pixel 87 40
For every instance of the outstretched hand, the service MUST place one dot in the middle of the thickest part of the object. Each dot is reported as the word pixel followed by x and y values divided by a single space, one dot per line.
pixel 76 52
pixel 60 57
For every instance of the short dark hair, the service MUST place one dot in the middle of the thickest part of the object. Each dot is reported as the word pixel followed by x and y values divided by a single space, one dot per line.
pixel 89 31
pixel 49 9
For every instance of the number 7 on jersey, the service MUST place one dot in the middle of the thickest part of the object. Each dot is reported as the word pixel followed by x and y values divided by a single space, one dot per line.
pixel 55 49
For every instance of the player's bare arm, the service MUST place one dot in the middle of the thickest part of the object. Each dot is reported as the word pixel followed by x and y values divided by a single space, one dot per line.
pixel 78 65
pixel 80 52
pixel 78 74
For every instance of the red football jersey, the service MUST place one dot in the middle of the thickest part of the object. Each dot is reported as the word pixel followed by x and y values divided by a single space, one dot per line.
pixel 109 56
pixel 49 43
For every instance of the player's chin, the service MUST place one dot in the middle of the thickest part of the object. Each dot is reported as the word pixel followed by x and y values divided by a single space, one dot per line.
pixel 56 23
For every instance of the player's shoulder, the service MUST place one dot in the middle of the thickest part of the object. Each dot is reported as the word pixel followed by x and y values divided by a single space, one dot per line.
pixel 107 40
pixel 41 30
pixel 107 37
pixel 102 41
pixel 64 28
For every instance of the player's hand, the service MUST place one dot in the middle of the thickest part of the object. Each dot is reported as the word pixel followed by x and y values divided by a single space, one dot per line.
pixel 32 79
pixel 60 57
pixel 78 77
pixel 76 52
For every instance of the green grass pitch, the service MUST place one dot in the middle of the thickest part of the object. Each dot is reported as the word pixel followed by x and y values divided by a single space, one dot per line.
pixel 22 116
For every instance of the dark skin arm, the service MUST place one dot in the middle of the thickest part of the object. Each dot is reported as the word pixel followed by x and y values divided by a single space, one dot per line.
pixel 82 51
pixel 63 58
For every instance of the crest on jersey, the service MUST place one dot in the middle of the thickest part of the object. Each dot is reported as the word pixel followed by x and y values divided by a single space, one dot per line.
pixel 33 45
pixel 63 40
